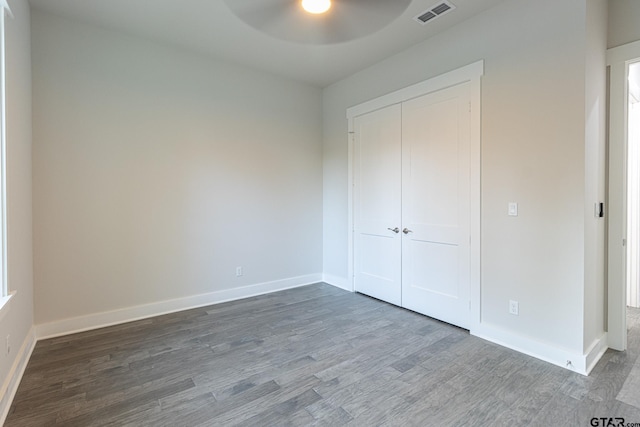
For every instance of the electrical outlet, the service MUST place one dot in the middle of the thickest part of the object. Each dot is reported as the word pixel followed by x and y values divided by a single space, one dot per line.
pixel 8 344
pixel 238 271
pixel 514 307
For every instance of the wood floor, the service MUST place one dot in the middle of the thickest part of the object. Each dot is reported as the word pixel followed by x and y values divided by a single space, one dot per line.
pixel 308 356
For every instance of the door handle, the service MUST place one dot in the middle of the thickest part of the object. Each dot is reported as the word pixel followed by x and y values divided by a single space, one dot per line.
pixel 395 230
pixel 407 231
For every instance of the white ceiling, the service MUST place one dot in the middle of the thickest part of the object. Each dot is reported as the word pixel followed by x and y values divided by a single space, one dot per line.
pixel 209 27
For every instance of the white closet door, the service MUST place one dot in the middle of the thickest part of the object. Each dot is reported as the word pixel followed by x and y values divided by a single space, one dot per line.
pixel 377 204
pixel 435 205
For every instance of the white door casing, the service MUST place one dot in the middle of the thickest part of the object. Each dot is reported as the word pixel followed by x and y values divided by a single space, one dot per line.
pixel 618 60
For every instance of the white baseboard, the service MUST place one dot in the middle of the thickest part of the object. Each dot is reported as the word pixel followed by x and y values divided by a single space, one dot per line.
pixel 595 352
pixel 338 282
pixel 577 362
pixel 130 314
pixel 11 383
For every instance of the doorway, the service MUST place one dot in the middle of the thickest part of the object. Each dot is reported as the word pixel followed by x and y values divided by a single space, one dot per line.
pixel 633 187
pixel 411 204
pixel 378 239
pixel 623 228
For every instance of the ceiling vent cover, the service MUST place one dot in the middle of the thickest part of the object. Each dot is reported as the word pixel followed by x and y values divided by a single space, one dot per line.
pixel 435 11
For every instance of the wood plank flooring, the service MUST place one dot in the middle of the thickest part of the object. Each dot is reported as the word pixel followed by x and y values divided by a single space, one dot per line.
pixel 315 355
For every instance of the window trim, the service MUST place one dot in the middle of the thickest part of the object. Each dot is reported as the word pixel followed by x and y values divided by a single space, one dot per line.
pixel 5 294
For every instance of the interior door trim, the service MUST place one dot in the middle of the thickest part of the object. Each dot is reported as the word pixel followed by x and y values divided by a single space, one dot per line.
pixel 618 60
pixel 471 73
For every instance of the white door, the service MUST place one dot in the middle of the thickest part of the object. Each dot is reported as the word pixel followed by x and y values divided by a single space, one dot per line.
pixel 377 204
pixel 435 205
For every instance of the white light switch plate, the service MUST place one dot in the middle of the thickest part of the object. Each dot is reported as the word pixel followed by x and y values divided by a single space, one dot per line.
pixel 513 209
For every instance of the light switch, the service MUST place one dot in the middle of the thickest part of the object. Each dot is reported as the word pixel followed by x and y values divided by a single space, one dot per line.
pixel 599 210
pixel 513 209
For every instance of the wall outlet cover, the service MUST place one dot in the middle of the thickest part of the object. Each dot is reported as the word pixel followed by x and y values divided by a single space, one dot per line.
pixel 514 307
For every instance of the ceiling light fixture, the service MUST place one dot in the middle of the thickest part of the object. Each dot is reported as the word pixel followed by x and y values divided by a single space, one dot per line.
pixel 316 6
pixel 345 20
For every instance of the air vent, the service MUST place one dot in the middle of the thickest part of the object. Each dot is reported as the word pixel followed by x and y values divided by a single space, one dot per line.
pixel 434 12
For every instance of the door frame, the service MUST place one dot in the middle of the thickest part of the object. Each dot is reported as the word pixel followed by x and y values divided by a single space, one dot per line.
pixel 618 60
pixel 472 74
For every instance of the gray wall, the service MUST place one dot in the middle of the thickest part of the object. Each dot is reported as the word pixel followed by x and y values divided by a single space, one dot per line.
pixel 18 319
pixel 595 171
pixel 623 22
pixel 157 172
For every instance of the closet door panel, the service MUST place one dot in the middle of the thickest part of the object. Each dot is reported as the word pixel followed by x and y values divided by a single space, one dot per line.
pixel 435 205
pixel 377 204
